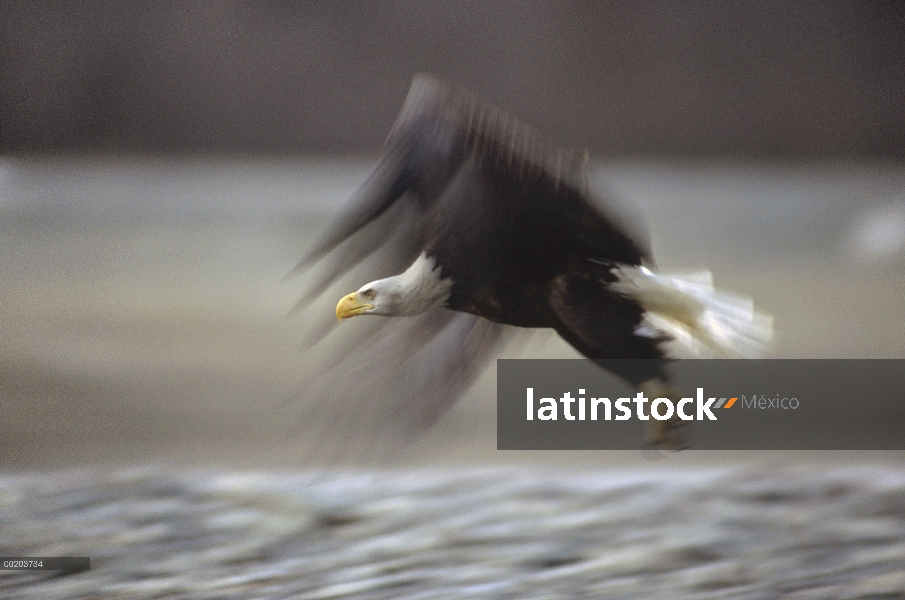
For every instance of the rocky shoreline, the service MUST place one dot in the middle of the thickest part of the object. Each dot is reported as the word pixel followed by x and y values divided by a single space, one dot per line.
pixel 519 532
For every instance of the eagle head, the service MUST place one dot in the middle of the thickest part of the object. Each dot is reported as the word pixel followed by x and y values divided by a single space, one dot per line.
pixel 411 293
pixel 375 298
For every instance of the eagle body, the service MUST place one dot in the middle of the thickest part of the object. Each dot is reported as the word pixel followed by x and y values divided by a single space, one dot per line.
pixel 481 225
pixel 514 261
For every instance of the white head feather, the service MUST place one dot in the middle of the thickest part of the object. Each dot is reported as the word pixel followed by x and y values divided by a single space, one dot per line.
pixel 417 290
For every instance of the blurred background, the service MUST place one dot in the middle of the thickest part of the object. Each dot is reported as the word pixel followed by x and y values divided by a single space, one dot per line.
pixel 164 165
pixel 665 79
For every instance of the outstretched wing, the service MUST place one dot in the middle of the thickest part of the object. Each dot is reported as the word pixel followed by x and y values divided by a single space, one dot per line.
pixel 392 383
pixel 371 384
pixel 440 130
pixel 448 158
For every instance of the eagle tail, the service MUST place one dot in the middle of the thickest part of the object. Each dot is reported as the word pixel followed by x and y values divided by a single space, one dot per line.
pixel 698 320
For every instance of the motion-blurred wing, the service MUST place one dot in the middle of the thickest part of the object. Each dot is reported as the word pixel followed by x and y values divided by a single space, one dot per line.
pixel 371 384
pixel 453 172
pixel 370 400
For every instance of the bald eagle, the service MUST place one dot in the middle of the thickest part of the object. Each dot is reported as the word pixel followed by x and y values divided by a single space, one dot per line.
pixel 471 227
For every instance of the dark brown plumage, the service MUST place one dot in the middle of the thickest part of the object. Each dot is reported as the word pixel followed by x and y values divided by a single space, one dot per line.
pixel 510 220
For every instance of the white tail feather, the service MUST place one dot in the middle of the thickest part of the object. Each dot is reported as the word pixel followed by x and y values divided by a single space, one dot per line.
pixel 700 321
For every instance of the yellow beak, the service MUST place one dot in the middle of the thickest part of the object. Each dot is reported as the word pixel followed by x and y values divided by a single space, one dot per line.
pixel 349 306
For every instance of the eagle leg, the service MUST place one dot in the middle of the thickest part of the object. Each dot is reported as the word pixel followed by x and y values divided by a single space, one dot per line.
pixel 670 434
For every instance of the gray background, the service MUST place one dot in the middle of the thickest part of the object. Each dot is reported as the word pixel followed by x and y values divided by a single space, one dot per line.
pixel 752 79
pixel 164 166
pixel 146 314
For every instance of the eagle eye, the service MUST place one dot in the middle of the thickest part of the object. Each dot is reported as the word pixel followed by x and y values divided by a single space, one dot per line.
pixel 368 294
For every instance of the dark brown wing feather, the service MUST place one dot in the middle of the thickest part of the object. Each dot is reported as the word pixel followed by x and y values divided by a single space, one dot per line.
pixel 442 129
pixel 503 212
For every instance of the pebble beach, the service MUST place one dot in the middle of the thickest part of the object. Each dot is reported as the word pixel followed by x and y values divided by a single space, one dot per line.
pixel 519 533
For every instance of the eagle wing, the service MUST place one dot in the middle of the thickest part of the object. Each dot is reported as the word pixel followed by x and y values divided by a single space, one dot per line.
pixel 370 385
